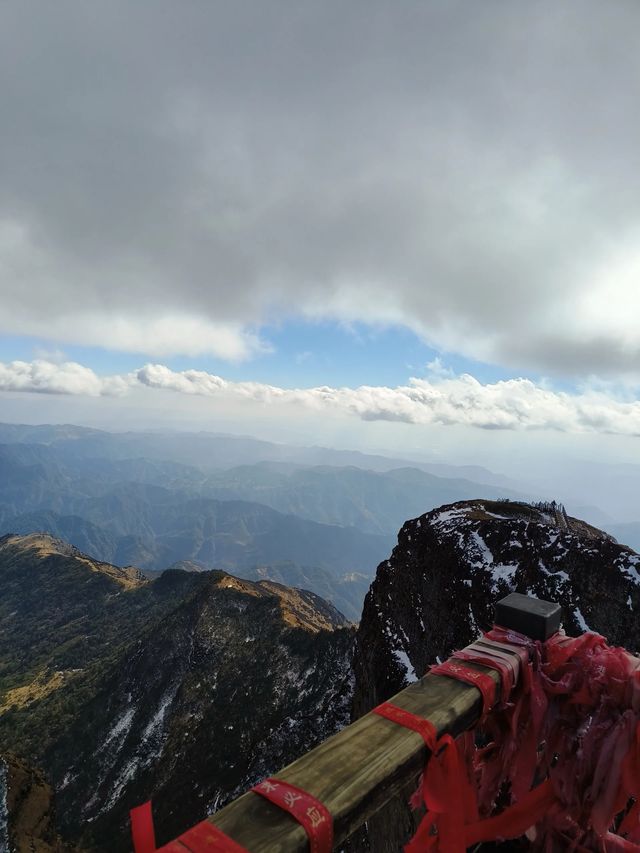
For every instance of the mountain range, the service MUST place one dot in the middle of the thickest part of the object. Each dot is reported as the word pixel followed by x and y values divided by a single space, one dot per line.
pixel 152 500
pixel 215 451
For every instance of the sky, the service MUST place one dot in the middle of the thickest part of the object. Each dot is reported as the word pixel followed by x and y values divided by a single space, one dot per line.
pixel 408 225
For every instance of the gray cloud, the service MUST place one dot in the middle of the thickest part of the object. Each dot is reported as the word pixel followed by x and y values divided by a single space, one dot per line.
pixel 515 404
pixel 175 175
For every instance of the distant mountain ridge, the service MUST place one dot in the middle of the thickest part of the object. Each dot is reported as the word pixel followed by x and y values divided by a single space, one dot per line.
pixel 80 486
pixel 220 450
pixel 372 501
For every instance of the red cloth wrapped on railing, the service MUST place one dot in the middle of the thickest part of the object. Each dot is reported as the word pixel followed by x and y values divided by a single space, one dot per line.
pixel 564 749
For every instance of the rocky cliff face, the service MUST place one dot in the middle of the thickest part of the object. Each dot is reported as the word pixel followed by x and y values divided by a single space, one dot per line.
pixel 437 590
pixel 187 689
pixel 236 682
pixel 27 818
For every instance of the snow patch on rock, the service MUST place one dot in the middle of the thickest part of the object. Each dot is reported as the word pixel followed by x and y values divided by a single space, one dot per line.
pixel 581 621
pixel 403 659
pixel 449 515
pixel 485 557
pixel 631 572
pixel 504 572
pixel 119 728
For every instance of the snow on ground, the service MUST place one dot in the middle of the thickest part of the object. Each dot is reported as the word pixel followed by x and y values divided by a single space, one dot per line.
pixel 561 575
pixel 149 749
pixel 120 727
pixel 581 621
pixel 504 572
pixel 68 778
pixel 485 555
pixel 403 660
pixel 472 623
pixel 125 776
pixel 155 724
pixel 449 515
pixel 632 573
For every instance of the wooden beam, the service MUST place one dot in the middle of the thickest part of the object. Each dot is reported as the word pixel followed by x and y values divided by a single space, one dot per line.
pixel 361 768
pixel 355 772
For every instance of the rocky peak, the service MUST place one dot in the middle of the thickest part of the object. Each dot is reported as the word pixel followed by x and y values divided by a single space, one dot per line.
pixel 33 548
pixel 437 590
pixel 303 609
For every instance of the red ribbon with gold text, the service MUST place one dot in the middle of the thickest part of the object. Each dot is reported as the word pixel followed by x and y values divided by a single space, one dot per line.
pixel 313 815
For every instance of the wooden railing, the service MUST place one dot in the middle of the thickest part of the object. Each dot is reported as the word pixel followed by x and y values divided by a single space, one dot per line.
pixel 357 771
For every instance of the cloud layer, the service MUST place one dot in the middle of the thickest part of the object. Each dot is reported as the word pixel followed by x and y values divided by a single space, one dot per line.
pixel 68 377
pixel 515 404
pixel 176 175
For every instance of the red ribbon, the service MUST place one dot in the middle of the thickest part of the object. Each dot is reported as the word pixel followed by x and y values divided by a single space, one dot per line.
pixel 204 836
pixel 485 684
pixel 446 788
pixel 515 820
pixel 423 727
pixel 486 657
pixel 142 832
pixel 448 791
pixel 577 672
pixel 313 815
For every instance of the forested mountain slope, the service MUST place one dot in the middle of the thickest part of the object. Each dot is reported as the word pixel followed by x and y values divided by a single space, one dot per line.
pixel 186 689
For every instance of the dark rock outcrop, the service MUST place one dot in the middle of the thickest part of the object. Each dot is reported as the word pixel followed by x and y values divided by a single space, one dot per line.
pixel 437 590
pixel 27 816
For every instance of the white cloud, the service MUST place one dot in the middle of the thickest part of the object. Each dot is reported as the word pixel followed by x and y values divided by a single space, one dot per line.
pixel 438 370
pixel 47 377
pixel 514 404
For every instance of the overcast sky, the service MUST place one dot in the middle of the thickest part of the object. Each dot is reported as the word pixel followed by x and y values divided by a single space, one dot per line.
pixel 439 201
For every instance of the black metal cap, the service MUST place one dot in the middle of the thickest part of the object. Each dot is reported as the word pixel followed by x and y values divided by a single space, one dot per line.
pixel 527 615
